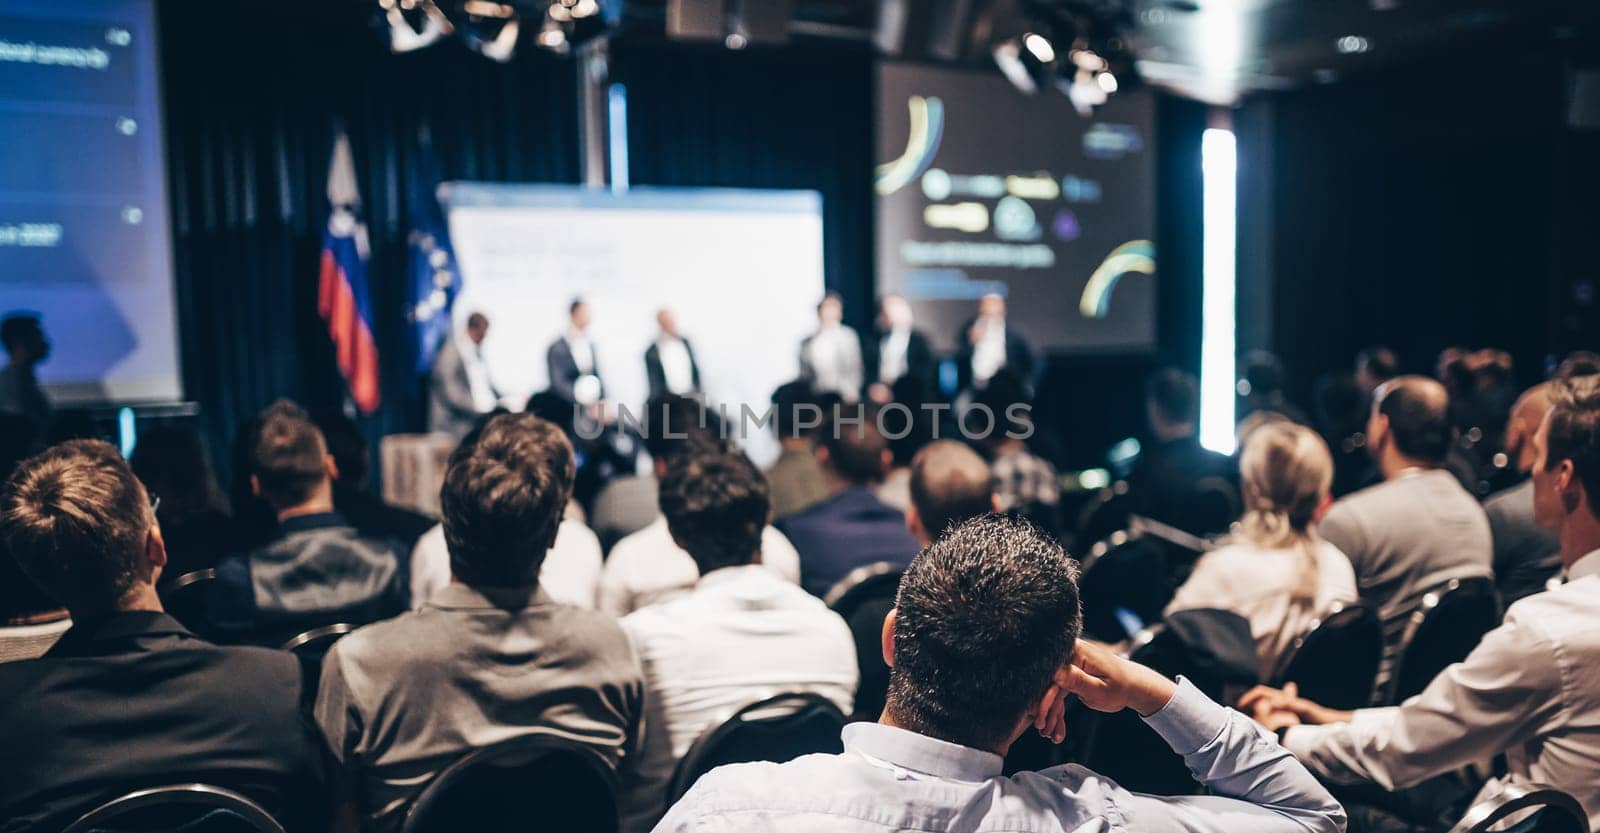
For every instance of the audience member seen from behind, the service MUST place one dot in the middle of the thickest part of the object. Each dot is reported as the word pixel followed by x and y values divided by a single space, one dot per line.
pixel 1374 366
pixel 739 636
pixel 317 569
pixel 172 463
pixel 950 484
pixel 1276 572
pixel 1418 529
pixel 982 648
pixel 1025 484
pixel 352 486
pixel 1526 555
pixel 852 527
pixel 1261 382
pixel 20 394
pixel 1176 481
pixel 796 477
pixel 30 620
pixel 1342 408
pixel 128 699
pixel 1527 691
pixel 648 566
pixel 491 656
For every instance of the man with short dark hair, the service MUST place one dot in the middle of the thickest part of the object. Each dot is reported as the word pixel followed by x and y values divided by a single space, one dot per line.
pixel 853 527
pixel 1528 691
pixel 983 647
pixel 128 698
pixel 1176 480
pixel 795 477
pixel 949 485
pixel 1417 529
pixel 317 569
pixel 740 635
pixel 490 657
pixel 26 347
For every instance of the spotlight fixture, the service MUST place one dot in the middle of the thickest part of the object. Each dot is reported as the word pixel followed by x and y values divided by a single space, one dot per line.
pixel 1027 61
pixel 553 36
pixel 491 28
pixel 414 24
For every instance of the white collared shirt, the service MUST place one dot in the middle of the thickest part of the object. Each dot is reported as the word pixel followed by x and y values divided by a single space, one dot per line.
pixel 989 354
pixel 834 355
pixel 570 573
pixel 1531 689
pixel 582 350
pixel 892 358
pixel 648 567
pixel 676 365
pixel 742 634
pixel 483 398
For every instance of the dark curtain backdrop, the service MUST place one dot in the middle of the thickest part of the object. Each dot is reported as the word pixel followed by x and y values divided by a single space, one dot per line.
pixel 252 99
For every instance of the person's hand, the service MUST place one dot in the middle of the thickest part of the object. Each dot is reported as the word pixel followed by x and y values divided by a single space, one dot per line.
pixel 1106 682
pixel 1272 707
pixel 880 393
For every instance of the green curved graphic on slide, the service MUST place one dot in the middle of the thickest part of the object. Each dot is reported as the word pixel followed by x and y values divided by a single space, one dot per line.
pixel 1132 256
pixel 927 128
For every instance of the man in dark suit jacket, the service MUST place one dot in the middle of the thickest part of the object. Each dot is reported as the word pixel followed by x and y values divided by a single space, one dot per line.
pixel 899 363
pixel 669 363
pixel 128 699
pixel 988 344
pixel 572 356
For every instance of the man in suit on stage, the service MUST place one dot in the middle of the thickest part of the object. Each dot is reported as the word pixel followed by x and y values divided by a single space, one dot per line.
pixel 899 363
pixel 989 345
pixel 669 362
pixel 830 358
pixel 459 389
pixel 572 356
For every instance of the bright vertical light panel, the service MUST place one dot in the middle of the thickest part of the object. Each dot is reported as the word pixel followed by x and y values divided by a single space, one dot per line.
pixel 1219 218
pixel 617 124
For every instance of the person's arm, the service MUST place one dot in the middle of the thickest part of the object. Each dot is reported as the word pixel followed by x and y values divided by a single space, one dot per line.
pixel 558 362
pixel 451 384
pixel 854 376
pixel 1504 692
pixel 340 723
pixel 1256 785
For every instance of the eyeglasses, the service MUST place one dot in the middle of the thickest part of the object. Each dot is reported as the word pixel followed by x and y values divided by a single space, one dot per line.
pixel 155 504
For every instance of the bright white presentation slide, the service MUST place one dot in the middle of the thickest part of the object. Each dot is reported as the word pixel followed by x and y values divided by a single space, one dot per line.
pixel 741 270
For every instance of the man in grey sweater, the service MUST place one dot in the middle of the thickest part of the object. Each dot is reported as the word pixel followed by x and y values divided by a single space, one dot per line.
pixel 1418 528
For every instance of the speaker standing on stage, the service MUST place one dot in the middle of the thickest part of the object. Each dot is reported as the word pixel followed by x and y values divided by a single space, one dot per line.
pixel 900 365
pixel 572 356
pixel 988 345
pixel 669 363
pixel 459 390
pixel 830 358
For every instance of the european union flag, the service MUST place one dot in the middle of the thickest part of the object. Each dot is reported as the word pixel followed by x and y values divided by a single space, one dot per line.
pixel 431 262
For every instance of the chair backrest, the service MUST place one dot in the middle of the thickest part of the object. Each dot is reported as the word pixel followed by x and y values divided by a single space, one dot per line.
pixel 776 729
pixel 1449 623
pixel 185 598
pixel 196 808
pixel 530 783
pixel 317 641
pixel 1544 810
pixel 1336 662
pixel 863 598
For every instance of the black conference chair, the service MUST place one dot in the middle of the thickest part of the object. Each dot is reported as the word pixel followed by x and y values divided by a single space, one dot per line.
pixel 1449 624
pixel 1546 810
pixel 1129 578
pixel 185 598
pixel 535 782
pixel 863 598
pixel 310 647
pixel 1336 663
pixel 777 729
pixel 191 808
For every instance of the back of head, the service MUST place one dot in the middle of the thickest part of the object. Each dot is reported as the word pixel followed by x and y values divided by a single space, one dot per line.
pixel 676 425
pixel 289 456
pixel 857 451
pixel 950 484
pixel 1173 396
pixel 172 463
pixel 1340 405
pixel 1285 472
pixel 1263 372
pixel 1380 364
pixel 794 404
pixel 1577 363
pixel 1003 392
pixel 1418 410
pixel 1575 432
pixel 1526 414
pixel 77 520
pixel 984 617
pixel 17 329
pixel 502 500
pixel 716 507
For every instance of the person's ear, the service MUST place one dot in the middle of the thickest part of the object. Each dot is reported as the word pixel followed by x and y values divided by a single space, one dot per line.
pixel 155 552
pixel 659 466
pixel 820 451
pixel 888 637
pixel 255 485
pixel 1569 487
pixel 330 466
pixel 914 523
pixel 994 503
pixel 885 461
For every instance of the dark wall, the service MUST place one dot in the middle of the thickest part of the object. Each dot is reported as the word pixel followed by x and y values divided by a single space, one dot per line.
pixel 1416 209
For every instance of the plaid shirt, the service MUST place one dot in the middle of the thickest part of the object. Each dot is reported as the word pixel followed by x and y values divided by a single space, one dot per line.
pixel 1022 480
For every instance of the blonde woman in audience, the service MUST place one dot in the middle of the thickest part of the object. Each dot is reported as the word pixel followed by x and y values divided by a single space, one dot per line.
pixel 1275 571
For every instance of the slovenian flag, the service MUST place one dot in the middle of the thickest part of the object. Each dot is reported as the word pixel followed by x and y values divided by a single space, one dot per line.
pixel 342 294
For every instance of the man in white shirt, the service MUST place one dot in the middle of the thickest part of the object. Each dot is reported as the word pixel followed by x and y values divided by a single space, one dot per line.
pixel 900 366
pixel 572 356
pixel 988 345
pixel 830 358
pixel 669 362
pixel 1530 690
pixel 647 566
pixel 742 634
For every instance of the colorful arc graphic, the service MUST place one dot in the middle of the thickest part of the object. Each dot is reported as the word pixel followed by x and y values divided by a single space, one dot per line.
pixel 927 127
pixel 1132 256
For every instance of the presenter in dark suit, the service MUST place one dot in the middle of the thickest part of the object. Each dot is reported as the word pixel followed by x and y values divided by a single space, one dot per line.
pixel 572 356
pixel 669 362
pixel 899 362
pixel 989 345
pixel 459 390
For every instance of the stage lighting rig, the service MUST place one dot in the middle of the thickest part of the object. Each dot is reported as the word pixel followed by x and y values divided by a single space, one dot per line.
pixel 413 24
pixel 493 28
